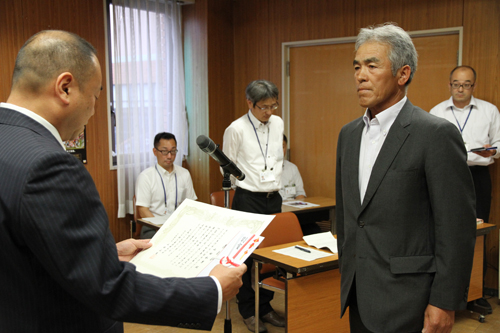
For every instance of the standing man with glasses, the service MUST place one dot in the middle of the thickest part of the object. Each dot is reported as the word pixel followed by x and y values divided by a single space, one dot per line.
pixel 254 143
pixel 479 123
pixel 161 188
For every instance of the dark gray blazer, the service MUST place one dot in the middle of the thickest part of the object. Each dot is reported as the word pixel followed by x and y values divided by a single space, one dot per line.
pixel 411 241
pixel 59 265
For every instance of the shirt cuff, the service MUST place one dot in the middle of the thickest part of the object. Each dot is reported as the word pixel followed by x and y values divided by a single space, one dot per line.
pixel 219 290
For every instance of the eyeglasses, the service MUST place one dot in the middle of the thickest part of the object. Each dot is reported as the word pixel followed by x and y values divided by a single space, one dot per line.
pixel 166 152
pixel 466 86
pixel 268 108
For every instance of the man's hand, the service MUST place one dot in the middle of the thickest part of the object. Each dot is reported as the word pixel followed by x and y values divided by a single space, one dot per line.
pixel 486 153
pixel 128 248
pixel 229 279
pixel 438 320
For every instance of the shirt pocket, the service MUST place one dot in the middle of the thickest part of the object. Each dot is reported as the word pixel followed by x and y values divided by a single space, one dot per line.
pixel 413 264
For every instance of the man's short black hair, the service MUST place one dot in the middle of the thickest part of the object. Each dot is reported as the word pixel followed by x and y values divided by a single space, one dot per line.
pixel 164 135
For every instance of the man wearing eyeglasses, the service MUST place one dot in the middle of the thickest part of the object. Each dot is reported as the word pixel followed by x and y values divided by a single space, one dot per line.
pixel 161 188
pixel 254 143
pixel 479 123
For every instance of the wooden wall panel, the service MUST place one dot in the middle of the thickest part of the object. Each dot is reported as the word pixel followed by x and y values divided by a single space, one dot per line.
pixel 195 19
pixel 482 51
pixel 86 18
pixel 220 80
pixel 11 40
pixel 411 15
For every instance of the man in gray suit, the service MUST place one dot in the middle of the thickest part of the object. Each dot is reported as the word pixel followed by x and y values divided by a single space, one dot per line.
pixel 405 201
pixel 61 269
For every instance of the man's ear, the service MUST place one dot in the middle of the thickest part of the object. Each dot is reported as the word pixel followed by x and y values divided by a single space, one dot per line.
pixel 404 75
pixel 65 83
pixel 250 104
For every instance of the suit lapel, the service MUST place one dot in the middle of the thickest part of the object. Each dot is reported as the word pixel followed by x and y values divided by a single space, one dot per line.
pixel 395 139
pixel 353 161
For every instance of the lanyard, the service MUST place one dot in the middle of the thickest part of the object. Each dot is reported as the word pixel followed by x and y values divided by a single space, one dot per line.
pixel 466 120
pixel 165 192
pixel 260 146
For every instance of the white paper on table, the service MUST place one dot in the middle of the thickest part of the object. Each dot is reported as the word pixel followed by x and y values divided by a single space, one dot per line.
pixel 292 251
pixel 321 240
pixel 299 204
pixel 194 239
pixel 159 220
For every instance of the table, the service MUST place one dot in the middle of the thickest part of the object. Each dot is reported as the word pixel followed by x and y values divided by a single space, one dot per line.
pixel 324 204
pixel 312 302
pixel 149 224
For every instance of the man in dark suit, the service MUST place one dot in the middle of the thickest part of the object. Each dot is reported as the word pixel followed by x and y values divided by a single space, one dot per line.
pixel 61 270
pixel 405 200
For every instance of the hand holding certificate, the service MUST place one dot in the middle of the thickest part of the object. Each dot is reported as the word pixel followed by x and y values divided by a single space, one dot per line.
pixel 200 236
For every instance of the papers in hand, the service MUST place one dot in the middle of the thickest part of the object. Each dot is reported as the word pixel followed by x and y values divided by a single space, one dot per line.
pixel 197 237
pixel 321 240
pixel 299 204
pixel 299 253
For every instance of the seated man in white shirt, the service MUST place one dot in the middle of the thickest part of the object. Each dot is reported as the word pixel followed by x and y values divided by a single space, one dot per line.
pixel 292 187
pixel 160 189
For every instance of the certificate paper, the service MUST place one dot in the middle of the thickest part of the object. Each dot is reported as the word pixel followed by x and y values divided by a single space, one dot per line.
pixel 200 236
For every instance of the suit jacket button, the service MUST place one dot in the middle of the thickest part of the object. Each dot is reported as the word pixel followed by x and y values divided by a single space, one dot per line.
pixel 361 224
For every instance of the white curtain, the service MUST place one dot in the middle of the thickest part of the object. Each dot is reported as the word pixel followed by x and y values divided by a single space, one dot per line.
pixel 148 79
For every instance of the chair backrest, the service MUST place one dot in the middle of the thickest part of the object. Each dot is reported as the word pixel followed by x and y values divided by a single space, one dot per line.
pixel 284 228
pixel 138 227
pixel 217 198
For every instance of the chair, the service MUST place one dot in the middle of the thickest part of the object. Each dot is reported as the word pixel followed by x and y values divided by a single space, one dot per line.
pixel 284 228
pixel 138 226
pixel 217 198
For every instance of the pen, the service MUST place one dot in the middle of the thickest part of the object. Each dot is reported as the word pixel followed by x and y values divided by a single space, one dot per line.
pixel 302 249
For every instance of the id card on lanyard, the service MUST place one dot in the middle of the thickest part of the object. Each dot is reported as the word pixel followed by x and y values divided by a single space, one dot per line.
pixel 266 175
pixel 167 211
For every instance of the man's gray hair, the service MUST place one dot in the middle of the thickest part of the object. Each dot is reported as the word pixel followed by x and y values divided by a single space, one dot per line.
pixel 259 90
pixel 402 51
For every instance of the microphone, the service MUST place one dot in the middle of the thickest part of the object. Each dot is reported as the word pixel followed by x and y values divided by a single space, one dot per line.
pixel 209 147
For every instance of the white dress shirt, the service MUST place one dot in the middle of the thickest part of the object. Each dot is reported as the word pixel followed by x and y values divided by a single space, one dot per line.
pixel 372 139
pixel 480 124
pixel 246 146
pixel 290 178
pixel 150 192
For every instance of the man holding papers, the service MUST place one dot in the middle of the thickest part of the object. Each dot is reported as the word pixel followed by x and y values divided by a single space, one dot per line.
pixel 61 269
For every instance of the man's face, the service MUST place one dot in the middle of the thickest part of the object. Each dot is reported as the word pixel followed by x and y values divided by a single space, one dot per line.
pixel 84 103
pixel 461 96
pixel 166 161
pixel 284 148
pixel 264 109
pixel 376 86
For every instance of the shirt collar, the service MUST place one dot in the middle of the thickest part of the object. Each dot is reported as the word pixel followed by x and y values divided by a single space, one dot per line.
pixel 42 121
pixel 450 103
pixel 164 171
pixel 256 122
pixel 386 118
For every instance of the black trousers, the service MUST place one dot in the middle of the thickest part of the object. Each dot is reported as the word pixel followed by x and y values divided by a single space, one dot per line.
pixel 482 185
pixel 254 202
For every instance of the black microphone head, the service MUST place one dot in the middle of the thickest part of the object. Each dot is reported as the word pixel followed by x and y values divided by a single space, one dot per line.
pixel 205 144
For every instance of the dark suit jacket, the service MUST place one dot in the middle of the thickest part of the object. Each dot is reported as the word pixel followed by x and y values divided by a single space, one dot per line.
pixel 411 241
pixel 59 265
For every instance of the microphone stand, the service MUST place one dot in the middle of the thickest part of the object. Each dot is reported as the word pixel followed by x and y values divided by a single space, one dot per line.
pixel 226 187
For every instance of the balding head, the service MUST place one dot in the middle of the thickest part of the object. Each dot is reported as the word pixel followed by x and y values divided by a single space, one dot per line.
pixel 49 53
